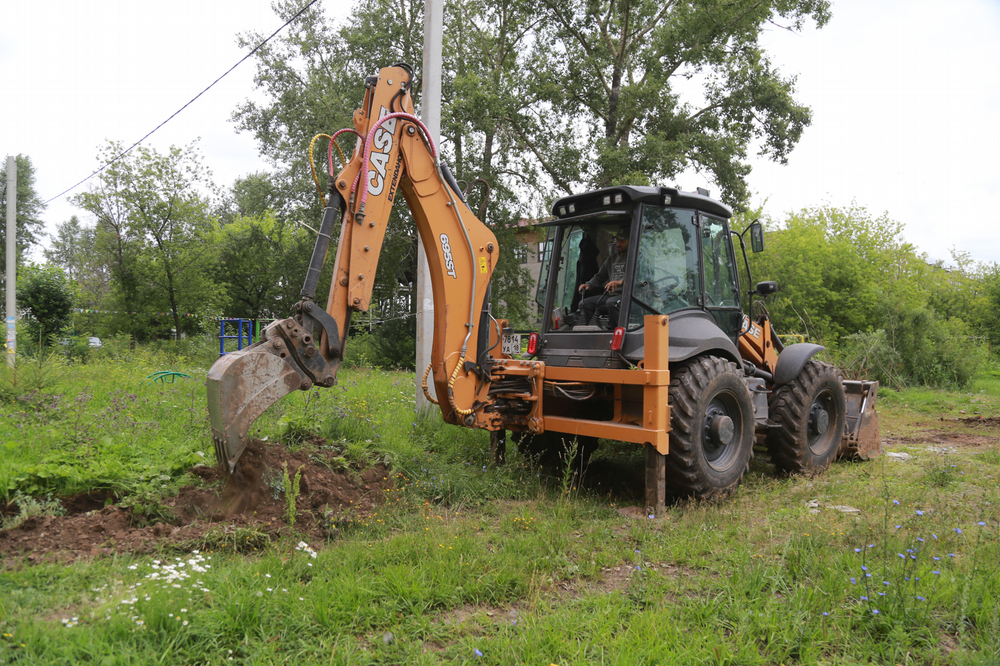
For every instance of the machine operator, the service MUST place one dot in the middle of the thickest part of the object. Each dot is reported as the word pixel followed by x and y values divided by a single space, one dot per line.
pixel 609 278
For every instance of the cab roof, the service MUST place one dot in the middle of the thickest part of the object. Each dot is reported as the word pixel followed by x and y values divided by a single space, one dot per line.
pixel 612 201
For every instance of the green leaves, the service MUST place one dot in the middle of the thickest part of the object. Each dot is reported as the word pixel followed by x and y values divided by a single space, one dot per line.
pixel 47 297
pixel 153 223
pixel 29 208
pixel 850 280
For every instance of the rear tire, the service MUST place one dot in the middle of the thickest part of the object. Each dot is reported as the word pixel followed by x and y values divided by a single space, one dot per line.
pixel 711 428
pixel 811 412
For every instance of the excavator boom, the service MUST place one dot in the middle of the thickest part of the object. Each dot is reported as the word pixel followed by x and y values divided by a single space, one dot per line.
pixel 394 155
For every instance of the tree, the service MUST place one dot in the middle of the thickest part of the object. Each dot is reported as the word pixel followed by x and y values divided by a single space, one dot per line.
pixel 254 195
pixel 312 79
pixel 29 209
pixel 152 228
pixel 832 265
pixel 46 296
pixel 72 247
pixel 851 282
pixel 262 264
pixel 640 89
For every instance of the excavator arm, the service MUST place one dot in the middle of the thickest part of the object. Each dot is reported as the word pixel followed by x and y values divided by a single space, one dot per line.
pixel 394 155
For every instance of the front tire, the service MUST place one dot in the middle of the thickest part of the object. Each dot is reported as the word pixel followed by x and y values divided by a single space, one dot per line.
pixel 811 411
pixel 711 428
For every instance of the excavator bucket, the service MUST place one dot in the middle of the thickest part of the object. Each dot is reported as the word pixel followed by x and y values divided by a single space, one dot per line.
pixel 862 440
pixel 241 386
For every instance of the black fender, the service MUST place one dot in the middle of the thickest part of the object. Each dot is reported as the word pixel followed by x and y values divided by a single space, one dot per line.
pixel 692 333
pixel 791 361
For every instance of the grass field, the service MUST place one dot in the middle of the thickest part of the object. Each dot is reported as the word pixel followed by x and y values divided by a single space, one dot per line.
pixel 894 561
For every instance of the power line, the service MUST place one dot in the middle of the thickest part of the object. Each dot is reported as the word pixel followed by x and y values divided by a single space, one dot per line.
pixel 151 132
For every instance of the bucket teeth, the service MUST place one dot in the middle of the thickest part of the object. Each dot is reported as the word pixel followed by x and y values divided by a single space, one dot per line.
pixel 220 452
pixel 222 457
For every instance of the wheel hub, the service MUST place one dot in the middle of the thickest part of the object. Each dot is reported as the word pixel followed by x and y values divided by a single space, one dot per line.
pixel 719 428
pixel 819 420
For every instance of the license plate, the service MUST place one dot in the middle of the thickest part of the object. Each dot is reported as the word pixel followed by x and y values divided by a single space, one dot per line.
pixel 510 345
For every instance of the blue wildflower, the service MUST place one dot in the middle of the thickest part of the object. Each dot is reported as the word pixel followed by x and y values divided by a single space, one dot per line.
pixel 919 512
pixel 874 611
pixel 981 524
pixel 958 529
pixel 896 502
pixel 478 653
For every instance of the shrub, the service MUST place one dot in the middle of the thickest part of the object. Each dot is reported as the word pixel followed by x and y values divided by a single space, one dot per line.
pixel 915 347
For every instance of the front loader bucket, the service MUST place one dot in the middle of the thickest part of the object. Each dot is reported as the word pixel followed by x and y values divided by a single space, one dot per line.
pixel 862 439
pixel 241 386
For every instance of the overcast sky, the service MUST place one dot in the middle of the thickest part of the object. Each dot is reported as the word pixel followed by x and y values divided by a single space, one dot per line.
pixel 905 97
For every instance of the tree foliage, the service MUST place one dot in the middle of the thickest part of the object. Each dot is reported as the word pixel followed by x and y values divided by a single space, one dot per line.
pixel 29 209
pixel 152 225
pixel 642 89
pixel 262 263
pixel 45 295
pixel 851 282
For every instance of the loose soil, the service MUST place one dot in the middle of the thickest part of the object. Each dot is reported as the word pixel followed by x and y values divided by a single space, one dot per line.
pixel 251 498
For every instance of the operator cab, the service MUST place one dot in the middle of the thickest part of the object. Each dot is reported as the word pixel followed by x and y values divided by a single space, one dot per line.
pixel 680 261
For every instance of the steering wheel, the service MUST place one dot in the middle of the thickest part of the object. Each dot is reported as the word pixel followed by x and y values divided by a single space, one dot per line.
pixel 661 283
pixel 667 287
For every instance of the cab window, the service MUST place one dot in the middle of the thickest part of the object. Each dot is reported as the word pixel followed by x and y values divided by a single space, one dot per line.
pixel 666 275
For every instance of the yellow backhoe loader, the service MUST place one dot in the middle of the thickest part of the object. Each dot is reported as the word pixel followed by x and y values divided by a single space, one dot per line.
pixel 661 354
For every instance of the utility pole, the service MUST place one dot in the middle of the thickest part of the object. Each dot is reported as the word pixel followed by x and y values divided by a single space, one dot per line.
pixel 431 110
pixel 11 273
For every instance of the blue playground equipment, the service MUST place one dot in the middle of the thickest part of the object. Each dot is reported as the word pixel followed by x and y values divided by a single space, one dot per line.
pixel 244 331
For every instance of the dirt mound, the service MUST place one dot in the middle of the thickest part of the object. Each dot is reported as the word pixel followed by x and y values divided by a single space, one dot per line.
pixel 990 422
pixel 253 497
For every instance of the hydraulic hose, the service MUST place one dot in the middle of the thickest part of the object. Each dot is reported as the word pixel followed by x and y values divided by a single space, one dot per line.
pixel 312 166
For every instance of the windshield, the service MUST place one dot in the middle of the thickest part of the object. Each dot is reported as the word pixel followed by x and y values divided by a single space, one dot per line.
pixel 674 247
pixel 666 274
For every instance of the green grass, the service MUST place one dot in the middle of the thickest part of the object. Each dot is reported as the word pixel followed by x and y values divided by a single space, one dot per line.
pixel 504 566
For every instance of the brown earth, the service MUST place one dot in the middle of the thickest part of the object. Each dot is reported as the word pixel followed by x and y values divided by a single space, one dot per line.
pixel 251 498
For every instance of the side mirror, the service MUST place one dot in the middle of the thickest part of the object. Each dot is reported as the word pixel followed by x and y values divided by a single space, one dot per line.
pixel 766 288
pixel 757 236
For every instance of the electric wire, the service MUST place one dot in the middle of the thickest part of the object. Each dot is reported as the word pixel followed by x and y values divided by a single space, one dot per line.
pixel 211 85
